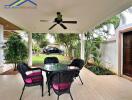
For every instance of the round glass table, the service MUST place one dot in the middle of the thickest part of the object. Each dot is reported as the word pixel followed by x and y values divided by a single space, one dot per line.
pixel 57 67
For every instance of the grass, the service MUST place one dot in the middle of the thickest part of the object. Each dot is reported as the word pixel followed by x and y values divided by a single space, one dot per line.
pixel 39 59
pixel 100 70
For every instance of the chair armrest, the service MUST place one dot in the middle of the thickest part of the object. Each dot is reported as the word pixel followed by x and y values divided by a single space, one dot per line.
pixel 34 72
pixel 30 68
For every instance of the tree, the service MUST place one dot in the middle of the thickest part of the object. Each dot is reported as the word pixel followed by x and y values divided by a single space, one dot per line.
pixel 68 40
pixel 16 51
pixel 95 38
pixel 115 20
pixel 39 37
pixel 36 49
pixel 92 47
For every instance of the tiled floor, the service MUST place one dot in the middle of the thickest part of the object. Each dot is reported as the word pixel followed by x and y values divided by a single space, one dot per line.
pixel 94 88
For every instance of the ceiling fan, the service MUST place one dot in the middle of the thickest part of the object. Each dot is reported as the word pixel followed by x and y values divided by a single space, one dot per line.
pixel 59 20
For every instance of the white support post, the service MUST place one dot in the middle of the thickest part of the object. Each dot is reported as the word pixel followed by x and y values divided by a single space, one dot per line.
pixel 82 46
pixel 30 49
pixel 1 44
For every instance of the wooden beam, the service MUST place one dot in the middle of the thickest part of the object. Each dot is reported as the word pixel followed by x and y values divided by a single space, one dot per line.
pixel 8 25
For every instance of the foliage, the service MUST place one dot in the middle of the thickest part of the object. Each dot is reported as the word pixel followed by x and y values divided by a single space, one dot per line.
pixel 70 41
pixel 43 44
pixel 77 50
pixel 92 48
pixel 39 37
pixel 16 49
pixel 100 70
pixel 115 20
pixel 36 49
pixel 41 40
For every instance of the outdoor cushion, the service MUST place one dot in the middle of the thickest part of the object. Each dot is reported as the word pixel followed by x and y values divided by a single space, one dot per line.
pixel 33 73
pixel 61 86
pixel 33 79
pixel 28 80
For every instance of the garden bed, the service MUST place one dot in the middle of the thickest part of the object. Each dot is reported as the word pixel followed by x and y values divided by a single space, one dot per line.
pixel 100 70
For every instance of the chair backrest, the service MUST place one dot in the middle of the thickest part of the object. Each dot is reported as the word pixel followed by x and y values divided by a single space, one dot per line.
pixel 22 68
pixel 49 60
pixel 78 63
pixel 63 77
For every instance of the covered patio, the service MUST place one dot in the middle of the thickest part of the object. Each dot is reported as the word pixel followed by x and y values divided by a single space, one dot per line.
pixel 88 14
pixel 95 88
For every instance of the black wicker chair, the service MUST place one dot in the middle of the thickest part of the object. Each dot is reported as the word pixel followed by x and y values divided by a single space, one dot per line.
pixel 78 63
pixel 61 82
pixel 49 60
pixel 31 76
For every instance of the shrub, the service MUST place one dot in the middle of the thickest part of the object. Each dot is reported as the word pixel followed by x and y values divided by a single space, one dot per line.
pixel 100 70
pixel 16 51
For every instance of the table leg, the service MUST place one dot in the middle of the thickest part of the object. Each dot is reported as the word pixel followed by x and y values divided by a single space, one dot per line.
pixel 48 81
pixel 49 88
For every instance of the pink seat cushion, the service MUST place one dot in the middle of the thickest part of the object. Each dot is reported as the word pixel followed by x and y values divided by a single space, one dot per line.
pixel 28 80
pixel 61 86
pixel 34 80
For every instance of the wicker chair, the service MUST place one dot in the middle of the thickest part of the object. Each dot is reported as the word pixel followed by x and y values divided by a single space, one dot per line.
pixel 50 60
pixel 61 82
pixel 31 76
pixel 78 63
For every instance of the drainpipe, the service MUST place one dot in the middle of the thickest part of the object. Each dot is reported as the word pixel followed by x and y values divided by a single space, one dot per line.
pixel 1 44
pixel 30 49
pixel 82 46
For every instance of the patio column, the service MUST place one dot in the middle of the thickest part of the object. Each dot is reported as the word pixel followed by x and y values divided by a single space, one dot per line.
pixel 30 49
pixel 82 46
pixel 1 44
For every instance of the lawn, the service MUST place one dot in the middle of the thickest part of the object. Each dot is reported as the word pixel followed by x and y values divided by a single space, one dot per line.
pixel 39 59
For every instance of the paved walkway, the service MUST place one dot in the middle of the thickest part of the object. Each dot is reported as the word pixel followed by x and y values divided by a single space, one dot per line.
pixel 95 88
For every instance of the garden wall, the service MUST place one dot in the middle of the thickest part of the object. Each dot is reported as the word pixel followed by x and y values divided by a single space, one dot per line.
pixel 109 55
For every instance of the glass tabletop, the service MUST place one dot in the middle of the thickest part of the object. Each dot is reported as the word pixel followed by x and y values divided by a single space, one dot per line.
pixel 57 67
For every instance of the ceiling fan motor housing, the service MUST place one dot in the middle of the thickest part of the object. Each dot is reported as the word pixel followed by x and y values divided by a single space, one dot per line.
pixel 58 21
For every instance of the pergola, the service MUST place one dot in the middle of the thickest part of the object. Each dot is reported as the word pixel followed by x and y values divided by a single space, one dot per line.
pixel 88 14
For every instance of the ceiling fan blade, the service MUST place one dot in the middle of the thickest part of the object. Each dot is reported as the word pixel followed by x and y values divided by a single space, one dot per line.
pixel 52 26
pixel 63 26
pixel 46 21
pixel 70 22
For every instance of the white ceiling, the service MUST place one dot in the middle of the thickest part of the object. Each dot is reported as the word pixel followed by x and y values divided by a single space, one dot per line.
pixel 88 13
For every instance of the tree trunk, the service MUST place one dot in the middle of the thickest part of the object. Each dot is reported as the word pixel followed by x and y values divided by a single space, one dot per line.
pixel 66 50
pixel 15 67
pixel 70 52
